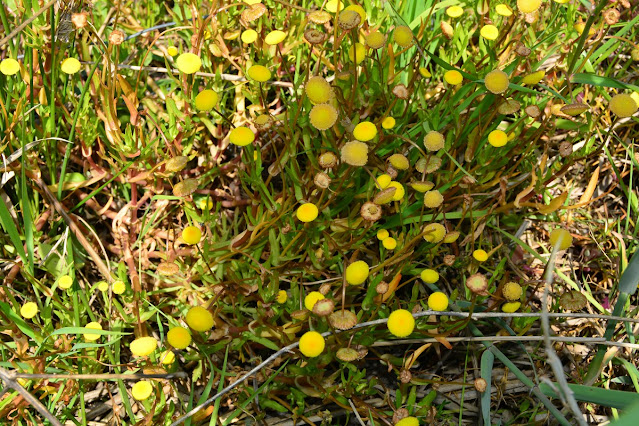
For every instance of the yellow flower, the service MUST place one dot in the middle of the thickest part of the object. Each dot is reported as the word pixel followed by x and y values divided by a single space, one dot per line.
pixel 489 32
pixel 29 310
pixel 118 287
pixel 497 138
pixel 561 237
pixel 382 234
pixel 142 390
pixel 307 212
pixel 91 337
pixel 191 235
pixel 503 10
pixel 534 78
pixel 357 53
pixel 399 161
pixel 312 298
pixel 480 255
pixel 383 181
pixel 438 301
pixel 408 421
pixel 422 186
pixel 355 153
pixel 496 81
pixel 103 286
pixel 241 136
pixel 188 63
pixel 389 243
pixel 510 307
pixel 433 199
pixel 143 346
pixel 453 77
pixel 333 5
pixel 172 50
pixel 623 105
pixel 429 276
pixel 9 66
pixel 282 297
pixel 249 36
pixel 401 323
pixel 357 272
pixel 318 90
pixel 388 123
pixel 199 319
pixel 434 232
pixel 312 344
pixel 375 40
pixel 424 72
pixel 528 6
pixel 399 190
pixel 70 66
pixel 511 291
pixel 167 357
pixel 259 73
pixel 179 337
pixel 403 36
pixel 65 282
pixel 275 37
pixel 454 11
pixel 323 116
pixel 365 131
pixel 434 141
pixel 206 100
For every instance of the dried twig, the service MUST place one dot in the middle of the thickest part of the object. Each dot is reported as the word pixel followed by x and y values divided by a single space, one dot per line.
pixel 9 379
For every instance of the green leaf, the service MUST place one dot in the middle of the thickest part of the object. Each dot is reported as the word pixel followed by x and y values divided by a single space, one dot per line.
pixel 597 80
pixel 600 396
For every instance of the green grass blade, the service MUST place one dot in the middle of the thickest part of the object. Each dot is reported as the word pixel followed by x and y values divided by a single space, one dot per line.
pixel 605 397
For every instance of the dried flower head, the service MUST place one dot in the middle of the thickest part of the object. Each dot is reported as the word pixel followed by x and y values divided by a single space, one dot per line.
pixel 477 283
pixel 434 141
pixel 370 211
pixel 327 160
pixel 324 307
pixel 319 17
pixel 116 37
pixel 401 91
pixel 314 36
pixel 422 186
pixel 355 153
pixel 496 81
pixel 348 19
pixel 399 161
pixel 509 106
pixel 342 320
pixel 511 291
pixel 322 180
pixel 79 20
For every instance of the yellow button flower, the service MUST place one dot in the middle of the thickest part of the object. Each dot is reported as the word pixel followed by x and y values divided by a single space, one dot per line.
pixel 401 323
pixel 91 337
pixel 323 116
pixel 167 357
pixel 29 310
pixel 65 282
pixel 489 32
pixel 70 66
pixel 403 36
pixel 249 36
pixel 408 421
pixel 355 153
pixel 382 234
pixel 365 131
pixel 307 212
pixel 454 11
pixel 453 77
pixel 388 123
pixel 623 105
pixel 143 346
pixel 383 181
pixel 561 237
pixel 142 390
pixel 357 272
pixel 241 136
pixel 9 66
pixel 511 291
pixel 199 319
pixel 429 276
pixel 312 344
pixel 357 53
pixel 179 337
pixel 480 255
pixel 172 50
pixel 318 90
pixel 503 10
pixel 312 298
pixel 275 37
pixel 119 287
pixel 528 6
pixel 438 301
pixel 389 243
pixel 510 307
pixel 206 100
pixel 282 297
pixel 188 63
pixel 496 81
pixel 497 138
pixel 399 190
pixel 259 73
pixel 191 235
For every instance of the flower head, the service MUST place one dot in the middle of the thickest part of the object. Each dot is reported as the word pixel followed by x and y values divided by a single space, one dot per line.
pixel 179 337
pixel 388 123
pixel 429 276
pixel 259 73
pixel 9 66
pixel 401 323
pixel 70 66
pixel 511 291
pixel 399 161
pixel 382 234
pixel 307 212
pixel 65 282
pixel 408 421
pixel 357 53
pixel 92 337
pixel 503 10
pixel 434 232
pixel 199 319
pixel 403 36
pixel 497 138
pixel 534 78
pixel 422 186
pixel 29 310
pixel 103 286
pixel 496 81
pixel 167 357
pixel 274 37
pixel 188 63
pixel 312 344
pixel 389 243
pixel 623 105
pixel 375 40
pixel 454 11
pixel 438 301
pixel 334 5
pixel 312 298
pixel 318 90
pixel 434 141
pixel 249 36
pixel 142 390
pixel 480 255
pixel 118 287
pixel 383 181
pixel 360 11
pixel 489 32
pixel 510 307
pixel 560 237
pixel 528 6
pixel 348 19
pixel 191 235
pixel 399 190
pixel 241 136
pixel 172 50
pixel 323 116
pixel 365 131
pixel 433 199
pixel 206 100
pixel 453 77
pixel 355 153
pixel 357 272
pixel 282 297
pixel 143 346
